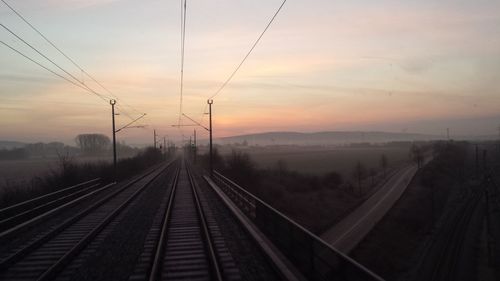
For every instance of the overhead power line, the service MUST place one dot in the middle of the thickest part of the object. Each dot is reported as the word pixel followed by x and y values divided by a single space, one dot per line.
pixel 70 59
pixel 49 70
pixel 242 61
pixel 183 40
pixel 54 63
pixel 249 52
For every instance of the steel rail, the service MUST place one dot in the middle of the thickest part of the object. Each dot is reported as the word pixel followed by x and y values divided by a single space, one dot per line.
pixel 447 260
pixel 155 272
pixel 22 206
pixel 24 251
pixel 159 253
pixel 25 215
pixel 52 272
pixel 215 266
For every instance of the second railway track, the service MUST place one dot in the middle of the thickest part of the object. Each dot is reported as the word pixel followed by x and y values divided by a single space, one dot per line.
pixel 43 257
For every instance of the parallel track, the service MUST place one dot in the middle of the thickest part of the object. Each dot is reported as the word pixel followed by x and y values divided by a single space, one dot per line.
pixel 446 261
pixel 44 257
pixel 14 210
pixel 14 218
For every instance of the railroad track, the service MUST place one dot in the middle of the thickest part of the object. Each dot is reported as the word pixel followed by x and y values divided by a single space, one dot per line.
pixel 446 262
pixel 22 215
pixel 184 242
pixel 45 256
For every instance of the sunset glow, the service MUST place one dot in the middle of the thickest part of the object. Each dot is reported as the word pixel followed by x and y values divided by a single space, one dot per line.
pixel 323 65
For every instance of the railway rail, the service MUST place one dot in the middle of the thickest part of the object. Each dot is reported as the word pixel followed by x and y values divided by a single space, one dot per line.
pixel 22 215
pixel 187 243
pixel 44 256
pixel 182 240
pixel 442 259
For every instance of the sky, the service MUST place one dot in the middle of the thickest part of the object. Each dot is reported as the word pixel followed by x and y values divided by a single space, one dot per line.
pixel 415 66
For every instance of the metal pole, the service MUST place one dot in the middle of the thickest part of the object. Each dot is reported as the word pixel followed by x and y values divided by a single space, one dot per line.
pixel 154 138
pixel 484 161
pixel 165 147
pixel 194 148
pixel 113 102
pixel 477 161
pixel 210 130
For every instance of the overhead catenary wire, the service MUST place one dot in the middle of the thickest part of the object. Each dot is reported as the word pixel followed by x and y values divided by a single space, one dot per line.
pixel 183 40
pixel 219 90
pixel 55 64
pixel 70 59
pixel 49 70
pixel 248 53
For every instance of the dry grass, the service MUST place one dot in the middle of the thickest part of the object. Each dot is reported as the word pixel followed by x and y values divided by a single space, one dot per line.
pixel 319 161
pixel 31 178
pixel 18 172
pixel 311 199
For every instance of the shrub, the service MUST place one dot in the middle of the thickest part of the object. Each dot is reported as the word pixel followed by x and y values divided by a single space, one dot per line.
pixel 332 180
pixel 69 172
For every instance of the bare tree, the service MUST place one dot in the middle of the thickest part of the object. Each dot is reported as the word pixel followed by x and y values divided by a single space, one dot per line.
pixel 417 155
pixel 359 174
pixel 332 180
pixel 384 163
pixel 372 172
pixel 281 168
pixel 92 143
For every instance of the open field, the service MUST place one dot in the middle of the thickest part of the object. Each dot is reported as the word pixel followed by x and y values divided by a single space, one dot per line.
pixel 321 160
pixel 14 171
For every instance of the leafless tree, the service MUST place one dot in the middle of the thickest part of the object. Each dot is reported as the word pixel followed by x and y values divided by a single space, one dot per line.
pixel 359 174
pixel 384 162
pixel 372 172
pixel 92 143
pixel 417 155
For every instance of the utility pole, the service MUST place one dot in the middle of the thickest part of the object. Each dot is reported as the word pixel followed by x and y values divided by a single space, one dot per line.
pixel 165 146
pixel 448 134
pixel 154 138
pixel 484 161
pixel 209 129
pixel 113 102
pixel 210 102
pixel 477 161
pixel 433 211
pixel 195 148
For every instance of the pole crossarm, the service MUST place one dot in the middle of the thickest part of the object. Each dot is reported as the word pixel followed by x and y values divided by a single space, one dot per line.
pixel 197 123
pixel 139 126
pixel 132 122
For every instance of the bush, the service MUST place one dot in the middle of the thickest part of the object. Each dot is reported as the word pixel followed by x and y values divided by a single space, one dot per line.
pixel 13 154
pixel 332 180
pixel 69 173
pixel 241 168
pixel 219 163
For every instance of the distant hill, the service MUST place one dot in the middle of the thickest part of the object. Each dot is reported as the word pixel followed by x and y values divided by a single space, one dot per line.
pixel 11 144
pixel 323 138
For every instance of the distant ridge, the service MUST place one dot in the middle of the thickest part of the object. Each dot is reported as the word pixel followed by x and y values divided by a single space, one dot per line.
pixel 323 138
pixel 10 144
